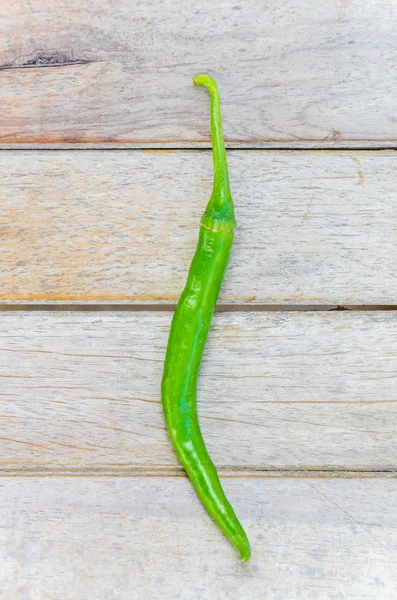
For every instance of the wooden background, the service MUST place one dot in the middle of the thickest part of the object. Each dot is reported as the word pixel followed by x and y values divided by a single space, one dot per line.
pixel 105 170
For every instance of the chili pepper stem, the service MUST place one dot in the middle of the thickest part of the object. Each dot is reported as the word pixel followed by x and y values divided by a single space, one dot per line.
pixel 220 206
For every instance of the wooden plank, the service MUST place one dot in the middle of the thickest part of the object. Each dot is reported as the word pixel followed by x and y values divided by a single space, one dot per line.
pixel 130 538
pixel 80 392
pixel 112 70
pixel 313 227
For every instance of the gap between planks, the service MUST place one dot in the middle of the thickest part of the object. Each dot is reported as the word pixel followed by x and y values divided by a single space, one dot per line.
pixel 58 306
pixel 352 145
pixel 226 473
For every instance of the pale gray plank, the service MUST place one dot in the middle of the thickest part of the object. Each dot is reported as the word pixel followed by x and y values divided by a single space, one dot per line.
pixel 80 392
pixel 112 70
pixel 313 227
pixel 149 538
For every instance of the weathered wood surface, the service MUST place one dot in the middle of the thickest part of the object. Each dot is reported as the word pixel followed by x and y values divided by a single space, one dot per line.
pixel 313 227
pixel 116 71
pixel 147 538
pixel 80 392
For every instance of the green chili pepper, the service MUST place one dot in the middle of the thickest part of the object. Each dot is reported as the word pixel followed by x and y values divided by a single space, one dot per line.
pixel 188 334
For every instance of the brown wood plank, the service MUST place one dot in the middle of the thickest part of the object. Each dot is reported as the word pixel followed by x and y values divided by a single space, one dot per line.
pixel 149 537
pixel 116 71
pixel 80 392
pixel 313 227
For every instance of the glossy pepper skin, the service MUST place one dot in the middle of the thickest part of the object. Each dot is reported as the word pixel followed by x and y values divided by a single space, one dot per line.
pixel 188 334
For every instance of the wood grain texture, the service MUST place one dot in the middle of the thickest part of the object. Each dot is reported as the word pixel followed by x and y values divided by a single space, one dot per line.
pixel 80 392
pixel 149 539
pixel 116 71
pixel 313 227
